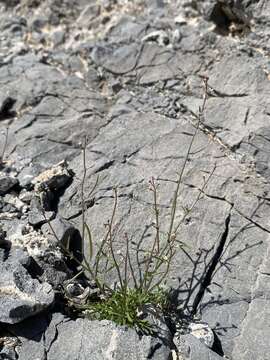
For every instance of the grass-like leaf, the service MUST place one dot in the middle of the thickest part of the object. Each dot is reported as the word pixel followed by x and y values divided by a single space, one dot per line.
pixel 123 307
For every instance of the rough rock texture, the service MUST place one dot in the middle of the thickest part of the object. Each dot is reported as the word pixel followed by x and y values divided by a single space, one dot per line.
pixel 191 348
pixel 21 295
pixel 51 337
pixel 126 77
pixel 6 183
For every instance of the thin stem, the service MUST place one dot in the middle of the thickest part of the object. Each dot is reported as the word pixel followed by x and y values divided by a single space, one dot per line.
pixel 126 265
pixel 165 273
pixel 129 263
pixel 199 196
pixel 5 146
pixel 111 238
pixel 67 252
pixel 156 211
pixel 168 251
pixel 82 190
pixel 179 181
pixel 138 260
pixel 100 252
pixel 156 243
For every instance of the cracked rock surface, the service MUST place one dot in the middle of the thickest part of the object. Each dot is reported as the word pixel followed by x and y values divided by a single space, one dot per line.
pixel 127 76
pixel 21 295
pixel 50 338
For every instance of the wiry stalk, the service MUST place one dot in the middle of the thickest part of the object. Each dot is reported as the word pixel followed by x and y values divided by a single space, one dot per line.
pixel 180 177
pixel 154 269
pixel 85 265
pixel 110 227
pixel 153 188
pixel 167 252
pixel 82 189
pixel 156 243
pixel 129 262
pixel 100 252
pixel 4 146
pixel 197 199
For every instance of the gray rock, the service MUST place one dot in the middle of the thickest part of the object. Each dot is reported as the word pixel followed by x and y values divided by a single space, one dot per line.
pixel 59 230
pixel 180 19
pixel 30 334
pixel 26 196
pixel 39 210
pixel 7 353
pixel 21 234
pixel 4 243
pixel 113 341
pixel 6 103
pixel 58 38
pixel 53 269
pixel 127 30
pixel 64 93
pixel 38 217
pixel 21 295
pixel 221 12
pixel 2 234
pixel 202 332
pixel 6 183
pixel 16 202
pixel 110 59
pixel 88 14
pixel 10 3
pixel 38 22
pixel 69 339
pixel 49 265
pixel 26 176
pixel 190 348
pixel 7 209
pixel 160 36
pixel 156 319
pixel 53 179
